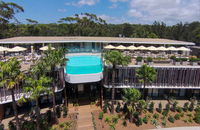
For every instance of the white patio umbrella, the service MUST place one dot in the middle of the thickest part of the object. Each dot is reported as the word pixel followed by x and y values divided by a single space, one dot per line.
pixel 172 48
pixel 2 49
pixel 44 48
pixel 183 49
pixel 109 47
pixel 121 47
pixel 162 48
pixel 131 48
pixel 17 49
pixel 141 48
pixel 152 48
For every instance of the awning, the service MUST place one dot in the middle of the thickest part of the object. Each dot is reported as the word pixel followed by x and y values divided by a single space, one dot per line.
pixel 44 48
pixel 3 49
pixel 141 48
pixel 172 48
pixel 121 47
pixel 183 49
pixel 162 48
pixel 17 49
pixel 131 48
pixel 109 47
pixel 152 48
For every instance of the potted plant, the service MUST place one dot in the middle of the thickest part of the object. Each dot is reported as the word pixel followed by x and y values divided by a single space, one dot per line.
pixel 139 60
pixel 177 61
pixel 150 60
pixel 184 61
pixel 172 59
pixel 193 60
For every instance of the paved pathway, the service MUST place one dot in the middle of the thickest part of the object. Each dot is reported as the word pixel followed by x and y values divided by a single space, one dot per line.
pixel 84 121
pixel 180 128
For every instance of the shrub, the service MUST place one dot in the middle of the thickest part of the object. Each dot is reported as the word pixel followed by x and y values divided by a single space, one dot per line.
pixel 58 111
pixel 11 126
pixel 193 59
pixel 65 111
pixel 165 113
pixel 118 108
pixel 167 107
pixel 197 117
pixel 177 59
pixel 174 106
pixel 186 106
pixel 28 125
pixel 138 121
pixel 136 114
pixel 191 107
pixel 49 116
pixel 151 107
pixel 139 59
pixel 179 109
pixel 105 108
pixel 184 59
pixel 124 123
pixel 173 57
pixel 125 108
pixel 101 115
pixel 182 114
pixel 164 123
pixel 159 107
pixel 149 59
pixel 171 119
pixel 145 120
pixel 156 115
pixel 177 116
pixel 154 122
pixel 197 109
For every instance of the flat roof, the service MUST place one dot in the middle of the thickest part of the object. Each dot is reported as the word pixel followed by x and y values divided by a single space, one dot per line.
pixel 71 39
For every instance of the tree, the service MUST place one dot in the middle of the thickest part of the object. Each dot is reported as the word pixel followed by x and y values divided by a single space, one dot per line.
pixel 54 59
pixel 7 13
pixel 36 84
pixel 145 74
pixel 131 96
pixel 115 58
pixel 11 76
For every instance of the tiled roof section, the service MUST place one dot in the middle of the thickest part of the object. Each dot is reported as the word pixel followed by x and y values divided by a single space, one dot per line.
pixel 65 39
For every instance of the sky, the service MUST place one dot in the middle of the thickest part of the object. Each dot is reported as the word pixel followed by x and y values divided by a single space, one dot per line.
pixel 113 11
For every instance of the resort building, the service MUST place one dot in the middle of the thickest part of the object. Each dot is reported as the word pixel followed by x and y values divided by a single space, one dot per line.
pixel 87 77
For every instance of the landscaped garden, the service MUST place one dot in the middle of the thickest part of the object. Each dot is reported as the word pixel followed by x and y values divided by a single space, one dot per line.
pixel 134 113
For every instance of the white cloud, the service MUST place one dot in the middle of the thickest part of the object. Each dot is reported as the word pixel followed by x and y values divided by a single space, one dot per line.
pixel 119 0
pixel 113 20
pixel 82 2
pixel 62 10
pixel 113 6
pixel 169 11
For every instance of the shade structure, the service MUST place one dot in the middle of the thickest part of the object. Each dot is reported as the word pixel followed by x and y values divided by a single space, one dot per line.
pixel 141 48
pixel 162 48
pixel 44 48
pixel 121 47
pixel 131 48
pixel 172 48
pixel 109 47
pixel 183 49
pixel 152 48
pixel 2 49
pixel 17 49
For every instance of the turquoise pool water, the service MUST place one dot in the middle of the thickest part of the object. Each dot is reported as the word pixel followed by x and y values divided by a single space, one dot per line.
pixel 85 64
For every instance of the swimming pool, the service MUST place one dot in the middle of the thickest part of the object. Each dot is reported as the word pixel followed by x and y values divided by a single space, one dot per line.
pixel 84 64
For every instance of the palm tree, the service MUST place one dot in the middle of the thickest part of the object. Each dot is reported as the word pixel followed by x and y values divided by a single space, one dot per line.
pixel 54 59
pixel 131 96
pixel 114 58
pixel 145 74
pixel 36 87
pixel 11 76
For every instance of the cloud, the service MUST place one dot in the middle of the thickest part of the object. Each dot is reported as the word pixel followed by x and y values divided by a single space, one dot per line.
pixel 113 6
pixel 118 0
pixel 82 3
pixel 169 11
pixel 113 20
pixel 62 10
